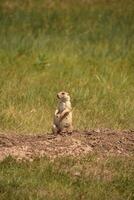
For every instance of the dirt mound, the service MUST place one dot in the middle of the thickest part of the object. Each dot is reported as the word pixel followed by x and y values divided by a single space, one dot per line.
pixel 104 142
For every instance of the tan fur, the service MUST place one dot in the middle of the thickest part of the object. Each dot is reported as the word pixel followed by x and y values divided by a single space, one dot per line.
pixel 63 115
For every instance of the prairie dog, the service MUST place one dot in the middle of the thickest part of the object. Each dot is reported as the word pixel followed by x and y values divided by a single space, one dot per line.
pixel 63 115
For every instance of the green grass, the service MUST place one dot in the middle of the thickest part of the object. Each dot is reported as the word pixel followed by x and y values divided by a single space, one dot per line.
pixel 86 49
pixel 90 178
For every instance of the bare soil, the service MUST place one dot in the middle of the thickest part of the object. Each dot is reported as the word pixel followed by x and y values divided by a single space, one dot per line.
pixel 104 142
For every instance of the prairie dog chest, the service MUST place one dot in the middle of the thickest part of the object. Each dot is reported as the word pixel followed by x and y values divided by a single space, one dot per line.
pixel 62 106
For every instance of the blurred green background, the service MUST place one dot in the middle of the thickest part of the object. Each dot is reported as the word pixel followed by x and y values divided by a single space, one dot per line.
pixel 83 47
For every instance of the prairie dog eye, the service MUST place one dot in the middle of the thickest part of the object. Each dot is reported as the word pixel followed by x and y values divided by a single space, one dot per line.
pixel 63 93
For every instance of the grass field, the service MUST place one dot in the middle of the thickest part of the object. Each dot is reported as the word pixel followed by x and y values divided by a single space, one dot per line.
pixel 90 178
pixel 84 48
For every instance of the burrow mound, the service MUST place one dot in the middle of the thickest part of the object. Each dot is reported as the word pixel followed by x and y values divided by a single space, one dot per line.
pixel 104 142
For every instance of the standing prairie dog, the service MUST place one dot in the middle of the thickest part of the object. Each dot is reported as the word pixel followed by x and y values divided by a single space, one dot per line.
pixel 63 114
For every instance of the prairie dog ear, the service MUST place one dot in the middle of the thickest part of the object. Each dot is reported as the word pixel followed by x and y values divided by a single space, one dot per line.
pixel 58 96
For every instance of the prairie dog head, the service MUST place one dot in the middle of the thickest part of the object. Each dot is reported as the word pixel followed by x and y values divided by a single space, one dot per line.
pixel 63 96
